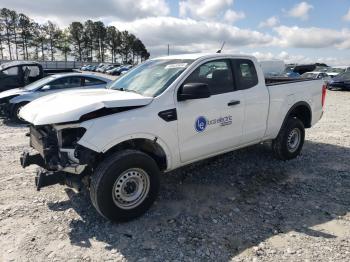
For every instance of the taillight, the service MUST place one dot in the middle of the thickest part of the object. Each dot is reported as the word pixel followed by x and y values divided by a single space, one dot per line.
pixel 324 92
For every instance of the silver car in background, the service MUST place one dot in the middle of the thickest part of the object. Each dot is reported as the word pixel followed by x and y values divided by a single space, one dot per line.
pixel 12 101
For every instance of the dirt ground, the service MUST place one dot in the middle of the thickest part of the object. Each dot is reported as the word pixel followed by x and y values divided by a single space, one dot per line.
pixel 242 206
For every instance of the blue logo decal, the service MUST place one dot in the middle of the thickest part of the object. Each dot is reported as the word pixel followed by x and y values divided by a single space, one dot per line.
pixel 201 124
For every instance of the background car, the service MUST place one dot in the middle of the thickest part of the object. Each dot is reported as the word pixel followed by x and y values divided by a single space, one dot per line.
pixel 341 81
pixel 113 70
pixel 19 73
pixel 121 69
pixel 102 68
pixel 316 75
pixel 110 67
pixel 97 68
pixel 91 68
pixel 12 101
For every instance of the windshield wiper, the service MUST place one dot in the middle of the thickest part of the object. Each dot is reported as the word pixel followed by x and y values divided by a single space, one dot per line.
pixel 126 90
pixel 133 91
pixel 118 89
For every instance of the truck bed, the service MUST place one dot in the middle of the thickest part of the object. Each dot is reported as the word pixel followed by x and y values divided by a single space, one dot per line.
pixel 271 81
pixel 284 95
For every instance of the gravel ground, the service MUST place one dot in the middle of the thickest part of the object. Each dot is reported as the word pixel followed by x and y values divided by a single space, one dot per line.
pixel 242 206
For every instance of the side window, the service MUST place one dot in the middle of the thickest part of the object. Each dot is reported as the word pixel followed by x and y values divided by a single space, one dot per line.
pixel 12 71
pixel 245 73
pixel 33 71
pixel 60 83
pixel 93 82
pixel 75 81
pixel 216 74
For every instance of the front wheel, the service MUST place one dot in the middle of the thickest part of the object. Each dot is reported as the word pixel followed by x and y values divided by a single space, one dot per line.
pixel 125 185
pixel 290 140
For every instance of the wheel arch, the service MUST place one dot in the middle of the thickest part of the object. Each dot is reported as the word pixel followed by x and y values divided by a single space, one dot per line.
pixel 151 145
pixel 16 104
pixel 302 111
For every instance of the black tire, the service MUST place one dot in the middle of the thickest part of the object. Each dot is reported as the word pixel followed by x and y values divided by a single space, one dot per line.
pixel 15 110
pixel 282 145
pixel 106 179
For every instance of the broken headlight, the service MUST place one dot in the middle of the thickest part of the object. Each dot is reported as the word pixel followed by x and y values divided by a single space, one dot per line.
pixel 70 136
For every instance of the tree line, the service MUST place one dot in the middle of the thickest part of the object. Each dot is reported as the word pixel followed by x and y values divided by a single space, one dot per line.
pixel 23 38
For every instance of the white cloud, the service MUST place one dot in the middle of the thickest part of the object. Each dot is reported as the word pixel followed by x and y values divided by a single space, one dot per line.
pixel 210 10
pixel 300 59
pixel 312 37
pixel 202 8
pixel 300 10
pixel 189 35
pixel 346 17
pixel 65 11
pixel 232 16
pixel 202 27
pixel 284 55
pixel 270 22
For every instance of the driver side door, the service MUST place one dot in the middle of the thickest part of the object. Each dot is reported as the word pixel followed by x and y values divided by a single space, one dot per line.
pixel 11 78
pixel 208 126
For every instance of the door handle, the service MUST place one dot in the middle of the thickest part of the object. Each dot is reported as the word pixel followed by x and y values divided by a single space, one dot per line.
pixel 234 102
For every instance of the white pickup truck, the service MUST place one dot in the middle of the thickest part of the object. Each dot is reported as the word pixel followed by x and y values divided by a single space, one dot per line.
pixel 166 113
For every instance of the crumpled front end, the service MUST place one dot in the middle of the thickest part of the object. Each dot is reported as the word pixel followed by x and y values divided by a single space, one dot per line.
pixel 58 154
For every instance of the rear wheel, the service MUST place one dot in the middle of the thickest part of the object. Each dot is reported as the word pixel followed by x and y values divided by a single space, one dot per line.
pixel 290 140
pixel 125 185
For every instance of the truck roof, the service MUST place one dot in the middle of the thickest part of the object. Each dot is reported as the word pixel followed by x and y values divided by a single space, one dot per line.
pixel 204 55
pixel 18 63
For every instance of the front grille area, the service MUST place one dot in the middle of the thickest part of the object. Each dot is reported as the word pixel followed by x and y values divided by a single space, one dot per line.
pixel 44 140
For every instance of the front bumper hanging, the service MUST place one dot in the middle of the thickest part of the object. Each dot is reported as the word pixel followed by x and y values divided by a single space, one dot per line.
pixel 26 160
pixel 46 178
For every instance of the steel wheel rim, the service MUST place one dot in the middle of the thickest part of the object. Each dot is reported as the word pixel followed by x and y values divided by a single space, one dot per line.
pixel 293 141
pixel 131 188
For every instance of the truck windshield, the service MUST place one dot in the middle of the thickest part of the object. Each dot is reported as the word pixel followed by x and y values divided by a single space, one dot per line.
pixel 152 77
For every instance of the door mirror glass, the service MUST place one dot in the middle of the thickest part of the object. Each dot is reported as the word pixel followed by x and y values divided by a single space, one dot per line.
pixel 193 91
pixel 45 88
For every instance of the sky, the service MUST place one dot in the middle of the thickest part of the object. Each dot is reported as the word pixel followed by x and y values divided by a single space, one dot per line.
pixel 295 31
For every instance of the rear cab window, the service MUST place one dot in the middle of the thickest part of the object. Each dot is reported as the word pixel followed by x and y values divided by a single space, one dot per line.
pixel 245 73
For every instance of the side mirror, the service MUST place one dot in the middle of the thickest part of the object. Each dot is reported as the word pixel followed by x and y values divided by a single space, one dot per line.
pixel 193 91
pixel 45 88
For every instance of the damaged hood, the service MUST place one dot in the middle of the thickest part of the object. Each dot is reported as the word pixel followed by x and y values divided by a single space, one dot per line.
pixel 69 106
pixel 13 92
